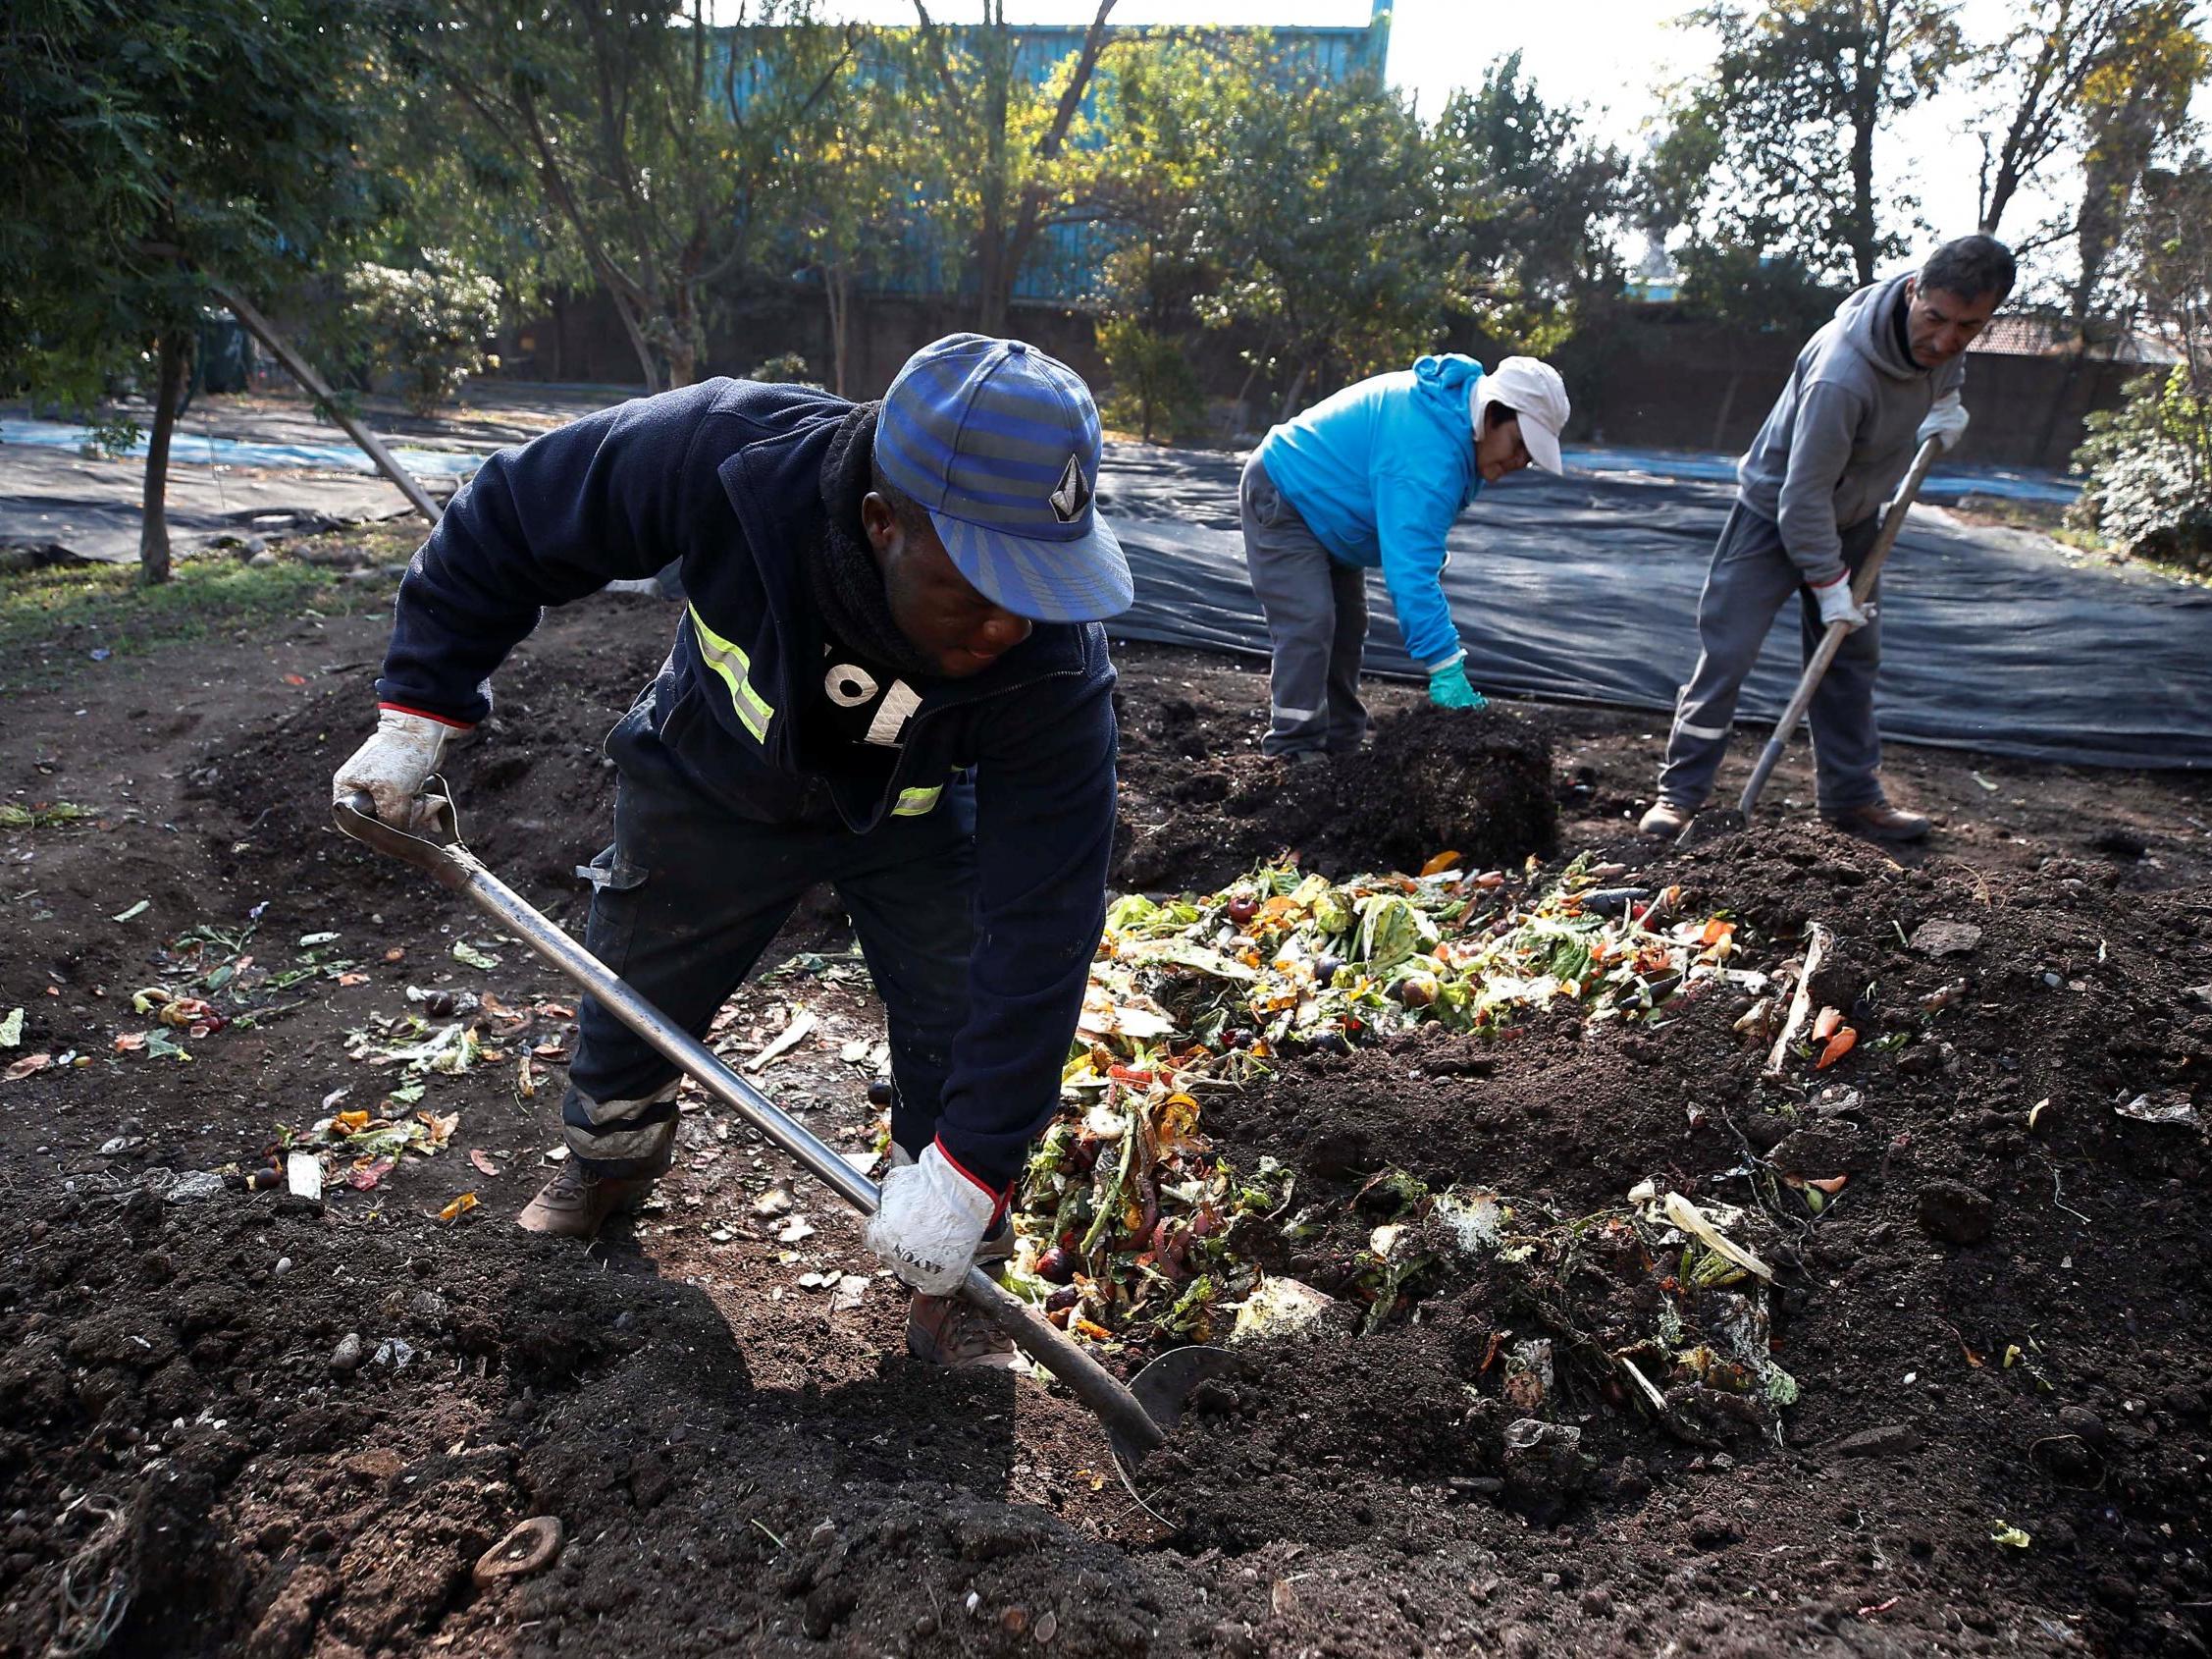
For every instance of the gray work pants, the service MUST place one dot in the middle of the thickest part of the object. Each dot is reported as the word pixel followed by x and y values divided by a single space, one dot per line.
pixel 1750 579
pixel 1316 609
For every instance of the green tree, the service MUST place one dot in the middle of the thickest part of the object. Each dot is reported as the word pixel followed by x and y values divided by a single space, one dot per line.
pixel 1528 210
pixel 1775 150
pixel 145 144
pixel 2149 462
pixel 664 143
pixel 860 189
pixel 1314 220
pixel 1152 166
pixel 2134 101
pixel 1010 152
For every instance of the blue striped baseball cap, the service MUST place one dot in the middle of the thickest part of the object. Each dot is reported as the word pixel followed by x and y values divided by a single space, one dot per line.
pixel 1000 444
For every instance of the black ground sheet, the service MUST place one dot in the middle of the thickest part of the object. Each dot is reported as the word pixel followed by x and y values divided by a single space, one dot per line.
pixel 1586 588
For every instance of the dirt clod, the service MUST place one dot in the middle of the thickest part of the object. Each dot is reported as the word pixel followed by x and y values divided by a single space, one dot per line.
pixel 1953 1212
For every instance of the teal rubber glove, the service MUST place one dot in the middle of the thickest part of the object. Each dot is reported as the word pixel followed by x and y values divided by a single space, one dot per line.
pixel 1448 687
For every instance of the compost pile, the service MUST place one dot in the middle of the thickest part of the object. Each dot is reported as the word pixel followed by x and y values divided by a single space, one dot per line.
pixel 1134 1230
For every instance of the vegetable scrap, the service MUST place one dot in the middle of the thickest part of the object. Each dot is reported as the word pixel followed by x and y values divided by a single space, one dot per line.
pixel 41 815
pixel 1133 1231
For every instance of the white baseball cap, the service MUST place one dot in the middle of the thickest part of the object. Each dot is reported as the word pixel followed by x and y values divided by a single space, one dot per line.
pixel 1533 390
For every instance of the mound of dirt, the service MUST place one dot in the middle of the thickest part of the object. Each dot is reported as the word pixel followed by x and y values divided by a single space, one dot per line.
pixel 2036 1373
pixel 1197 812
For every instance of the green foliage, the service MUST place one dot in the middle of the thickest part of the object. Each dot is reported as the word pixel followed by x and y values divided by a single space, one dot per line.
pixel 664 147
pixel 2149 462
pixel 1265 199
pixel 785 368
pixel 427 326
pixel 2134 101
pixel 1742 287
pixel 2149 466
pixel 1527 211
pixel 141 142
pixel 1008 155
pixel 1155 391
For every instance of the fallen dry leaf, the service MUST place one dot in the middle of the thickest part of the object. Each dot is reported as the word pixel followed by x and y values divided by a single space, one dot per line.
pixel 352 978
pixel 483 1161
pixel 24 1067
pixel 1442 862
pixel 460 1208
pixel 364 1176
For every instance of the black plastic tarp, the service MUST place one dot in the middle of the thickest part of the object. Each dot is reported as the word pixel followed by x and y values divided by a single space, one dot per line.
pixel 1585 588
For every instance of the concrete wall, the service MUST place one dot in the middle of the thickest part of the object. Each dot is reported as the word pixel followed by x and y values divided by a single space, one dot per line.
pixel 1644 382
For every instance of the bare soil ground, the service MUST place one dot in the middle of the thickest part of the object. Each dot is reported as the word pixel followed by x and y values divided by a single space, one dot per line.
pixel 238 1422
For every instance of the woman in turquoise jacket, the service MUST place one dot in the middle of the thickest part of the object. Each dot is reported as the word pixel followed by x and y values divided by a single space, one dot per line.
pixel 1372 477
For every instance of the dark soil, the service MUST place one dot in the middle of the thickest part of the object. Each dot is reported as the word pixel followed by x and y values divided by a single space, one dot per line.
pixel 1428 782
pixel 192 1460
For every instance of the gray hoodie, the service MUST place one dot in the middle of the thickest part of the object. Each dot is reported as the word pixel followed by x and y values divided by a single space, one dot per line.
pixel 1841 437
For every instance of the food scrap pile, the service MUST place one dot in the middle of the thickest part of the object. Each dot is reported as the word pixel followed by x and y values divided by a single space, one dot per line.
pixel 1135 1232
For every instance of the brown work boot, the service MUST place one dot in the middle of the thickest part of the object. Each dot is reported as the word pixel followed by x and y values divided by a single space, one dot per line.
pixel 1667 819
pixel 953 1333
pixel 1882 822
pixel 576 1204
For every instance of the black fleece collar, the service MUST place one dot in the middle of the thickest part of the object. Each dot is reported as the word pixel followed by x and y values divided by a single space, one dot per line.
pixel 846 580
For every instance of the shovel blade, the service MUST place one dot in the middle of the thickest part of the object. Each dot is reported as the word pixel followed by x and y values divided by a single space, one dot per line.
pixel 1709 827
pixel 1163 1388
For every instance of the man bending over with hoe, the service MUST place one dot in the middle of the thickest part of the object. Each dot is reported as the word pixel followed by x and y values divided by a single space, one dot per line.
pixel 889 676
pixel 1374 476
pixel 1869 388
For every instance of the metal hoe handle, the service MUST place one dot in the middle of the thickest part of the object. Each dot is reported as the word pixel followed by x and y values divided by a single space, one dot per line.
pixel 458 870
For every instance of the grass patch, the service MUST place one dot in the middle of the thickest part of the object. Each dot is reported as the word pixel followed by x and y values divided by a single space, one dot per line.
pixel 52 619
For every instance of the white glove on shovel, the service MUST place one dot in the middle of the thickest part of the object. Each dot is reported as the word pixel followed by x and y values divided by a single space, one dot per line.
pixel 1946 420
pixel 1838 605
pixel 929 1222
pixel 393 767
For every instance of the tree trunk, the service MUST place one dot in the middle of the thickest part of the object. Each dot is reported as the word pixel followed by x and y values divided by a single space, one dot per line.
pixel 2096 230
pixel 1297 386
pixel 1864 116
pixel 991 278
pixel 683 338
pixel 153 522
pixel 836 286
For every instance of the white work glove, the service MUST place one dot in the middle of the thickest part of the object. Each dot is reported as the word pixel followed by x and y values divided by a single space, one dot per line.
pixel 393 767
pixel 1838 605
pixel 1946 421
pixel 929 1222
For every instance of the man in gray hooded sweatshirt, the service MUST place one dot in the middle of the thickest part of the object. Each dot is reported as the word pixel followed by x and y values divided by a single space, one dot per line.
pixel 1869 388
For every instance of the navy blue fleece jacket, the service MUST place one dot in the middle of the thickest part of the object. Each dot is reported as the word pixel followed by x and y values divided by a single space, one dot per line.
pixel 726 477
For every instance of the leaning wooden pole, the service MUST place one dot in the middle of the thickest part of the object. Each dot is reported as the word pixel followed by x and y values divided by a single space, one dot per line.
pixel 303 371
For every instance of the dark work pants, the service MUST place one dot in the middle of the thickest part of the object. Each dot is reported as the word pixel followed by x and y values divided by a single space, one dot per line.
pixel 1750 579
pixel 1316 609
pixel 689 895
